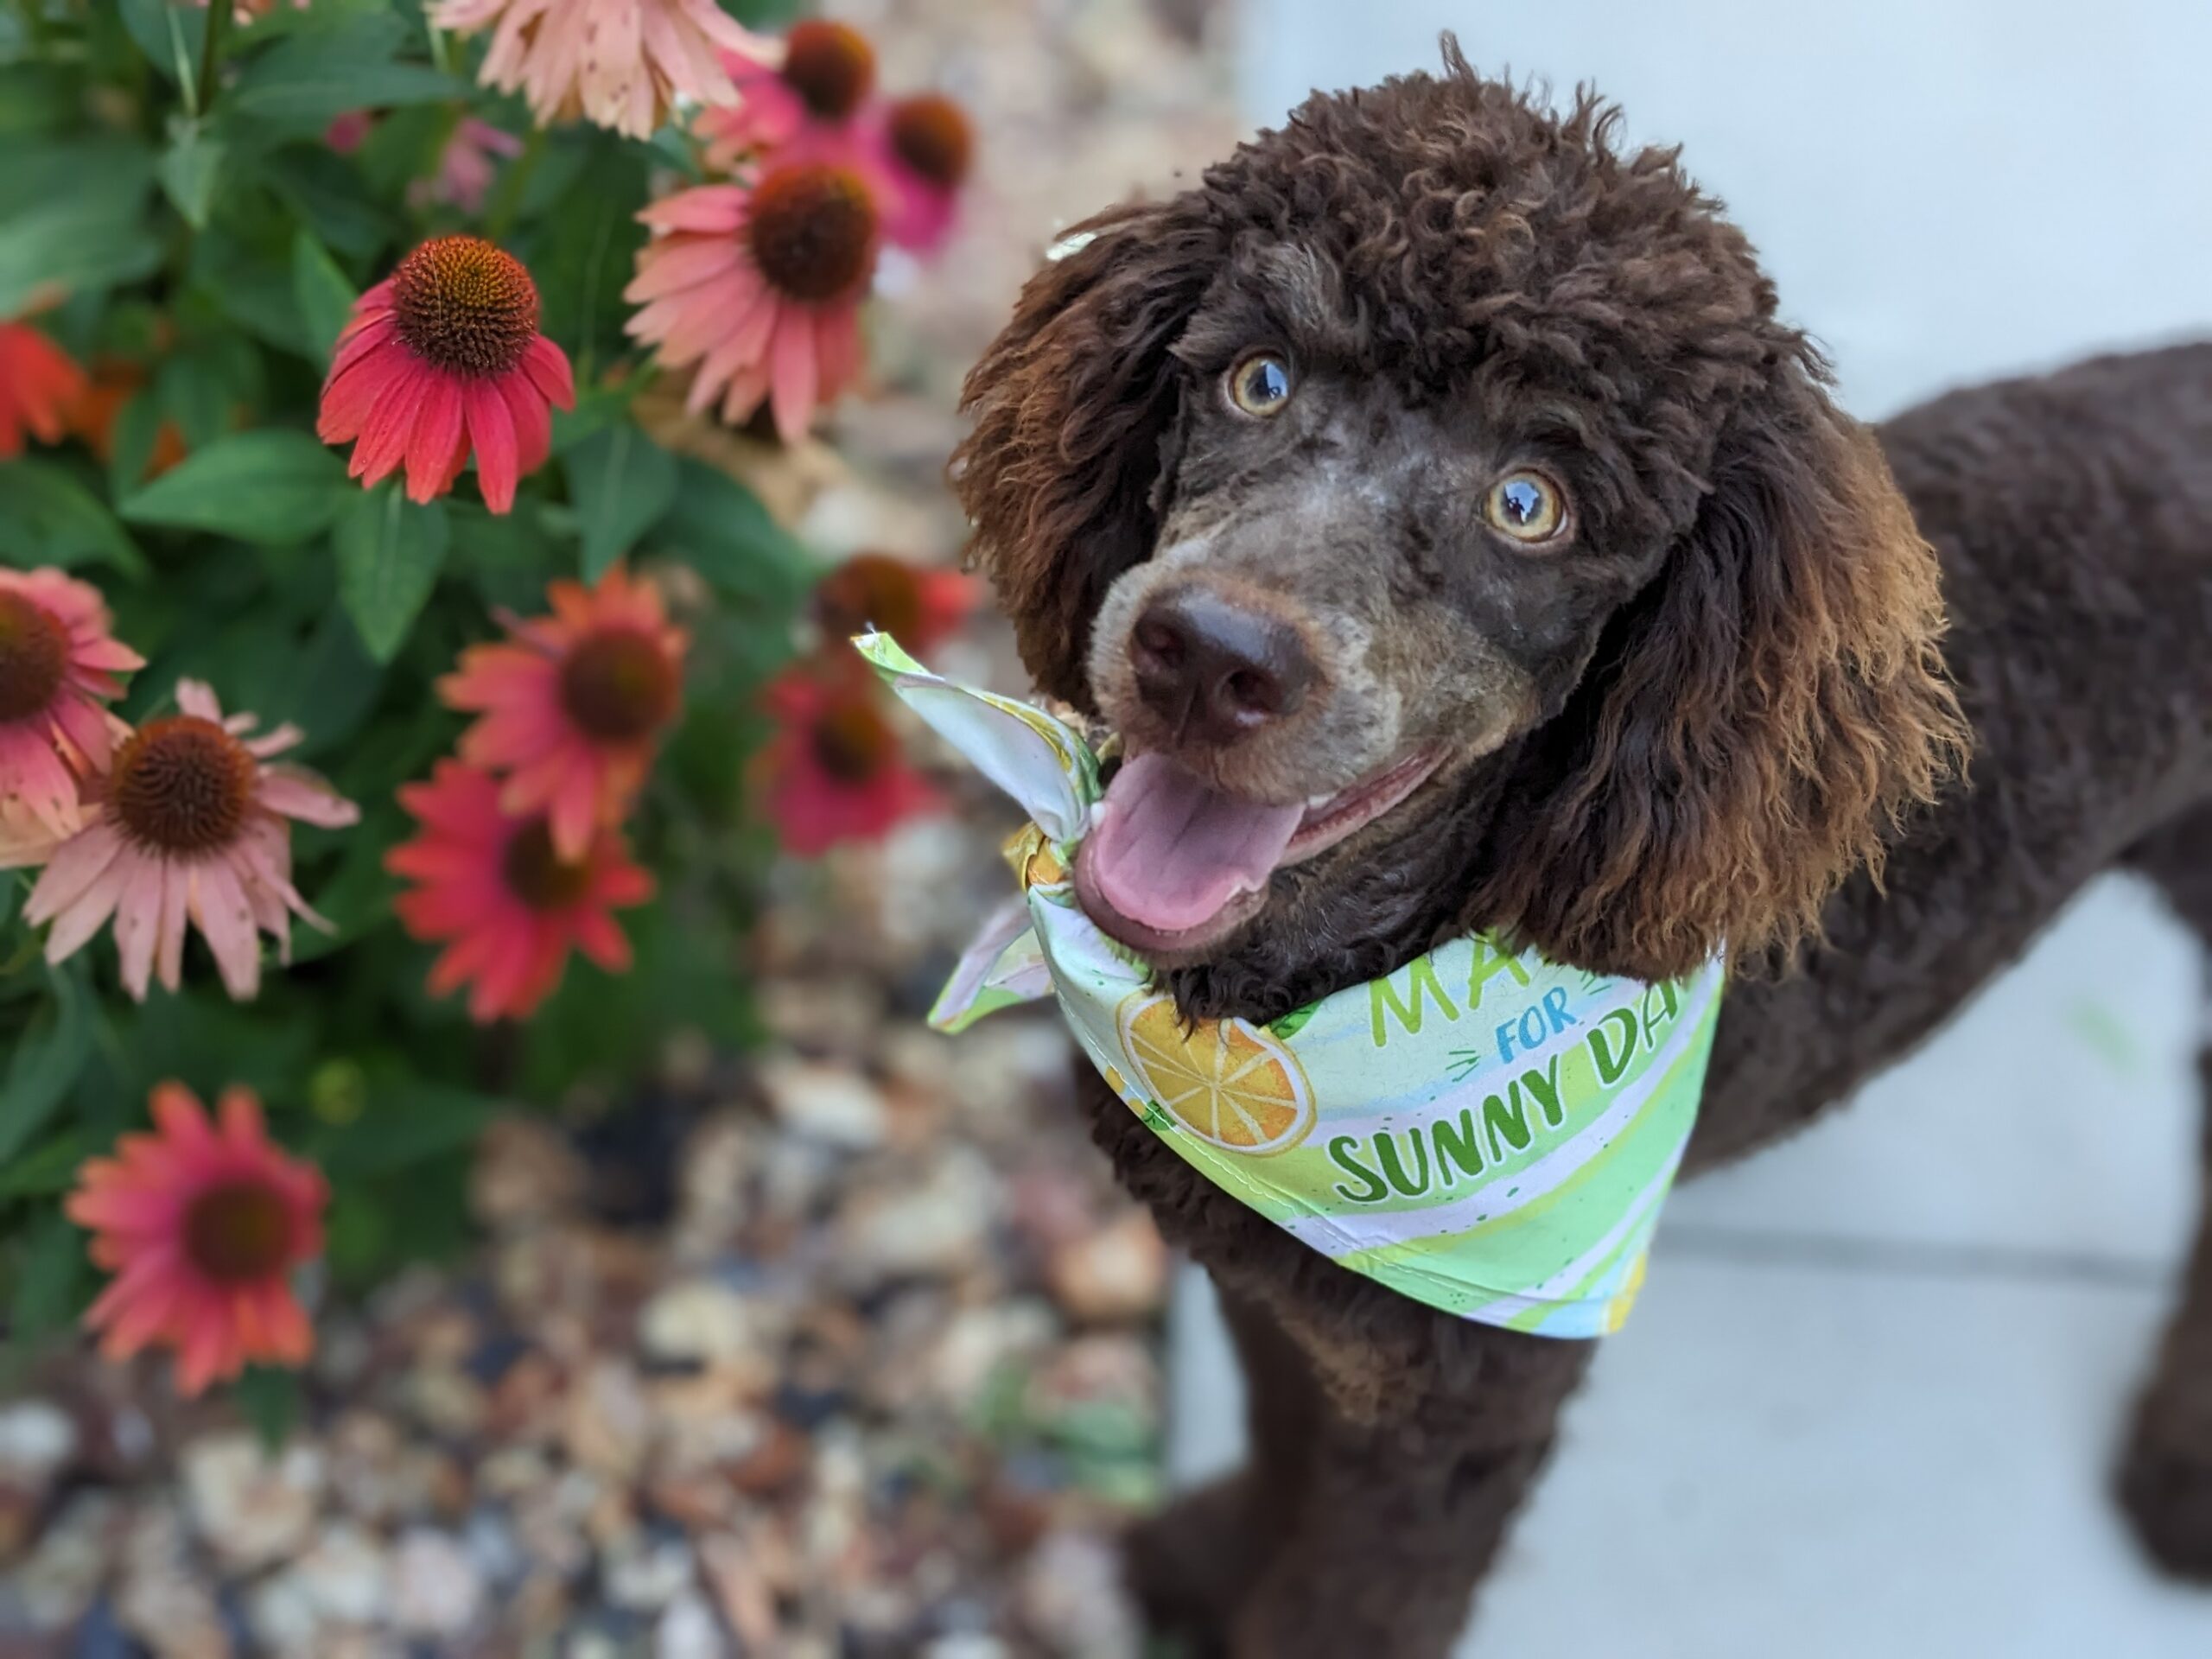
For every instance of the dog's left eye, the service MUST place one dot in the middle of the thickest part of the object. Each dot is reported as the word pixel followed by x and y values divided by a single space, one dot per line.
pixel 1526 505
pixel 1260 383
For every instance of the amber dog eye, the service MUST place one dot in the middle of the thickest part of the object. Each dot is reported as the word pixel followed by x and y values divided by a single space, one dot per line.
pixel 1526 505
pixel 1260 385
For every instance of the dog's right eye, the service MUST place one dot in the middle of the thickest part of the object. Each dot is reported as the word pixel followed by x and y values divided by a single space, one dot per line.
pixel 1260 383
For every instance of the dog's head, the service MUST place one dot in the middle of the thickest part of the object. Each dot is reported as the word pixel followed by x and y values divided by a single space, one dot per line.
pixel 1434 503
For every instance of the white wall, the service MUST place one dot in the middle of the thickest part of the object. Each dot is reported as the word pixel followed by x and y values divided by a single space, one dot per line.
pixel 1945 190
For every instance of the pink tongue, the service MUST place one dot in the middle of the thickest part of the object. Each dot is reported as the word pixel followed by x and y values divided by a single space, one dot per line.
pixel 1170 850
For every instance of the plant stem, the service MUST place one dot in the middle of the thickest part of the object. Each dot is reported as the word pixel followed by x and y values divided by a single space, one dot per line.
pixel 219 18
pixel 501 219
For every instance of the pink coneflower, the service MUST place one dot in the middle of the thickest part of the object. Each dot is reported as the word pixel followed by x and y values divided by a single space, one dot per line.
pixel 201 1225
pixel 466 167
pixel 574 704
pixel 927 147
pixel 187 826
pixel 622 63
pixel 761 288
pixel 349 132
pixel 916 607
pixel 835 769
pixel 806 87
pixel 39 384
pixel 58 664
pixel 507 905
pixel 440 358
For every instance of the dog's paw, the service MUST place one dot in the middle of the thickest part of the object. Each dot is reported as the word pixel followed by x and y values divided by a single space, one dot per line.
pixel 2165 1483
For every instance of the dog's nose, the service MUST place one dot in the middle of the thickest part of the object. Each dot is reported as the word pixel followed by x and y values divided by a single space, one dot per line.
pixel 1216 671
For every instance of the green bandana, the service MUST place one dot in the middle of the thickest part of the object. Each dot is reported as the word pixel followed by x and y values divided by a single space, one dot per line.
pixel 1485 1133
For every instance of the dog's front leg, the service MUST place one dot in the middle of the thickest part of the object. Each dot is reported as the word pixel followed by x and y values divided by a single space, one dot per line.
pixel 1432 1433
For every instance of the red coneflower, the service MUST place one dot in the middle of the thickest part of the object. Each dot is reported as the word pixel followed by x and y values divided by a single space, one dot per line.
pixel 442 357
pixel 574 704
pixel 761 288
pixel 507 905
pixel 39 384
pixel 808 87
pixel 927 147
pixel 187 826
pixel 622 63
pixel 201 1225
pixel 58 664
pixel 916 607
pixel 835 769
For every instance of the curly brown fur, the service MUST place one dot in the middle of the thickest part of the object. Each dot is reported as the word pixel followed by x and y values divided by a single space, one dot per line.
pixel 1723 705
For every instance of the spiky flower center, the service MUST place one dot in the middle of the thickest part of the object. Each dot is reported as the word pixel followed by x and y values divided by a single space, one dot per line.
pixel 830 67
pixel 853 742
pixel 812 231
pixel 870 590
pixel 464 305
pixel 931 134
pixel 33 657
pixel 539 876
pixel 237 1231
pixel 182 785
pixel 619 684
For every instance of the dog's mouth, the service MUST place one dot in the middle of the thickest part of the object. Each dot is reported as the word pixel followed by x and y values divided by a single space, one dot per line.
pixel 1172 864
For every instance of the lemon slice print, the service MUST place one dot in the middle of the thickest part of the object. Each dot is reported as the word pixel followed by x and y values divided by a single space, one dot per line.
pixel 1228 1083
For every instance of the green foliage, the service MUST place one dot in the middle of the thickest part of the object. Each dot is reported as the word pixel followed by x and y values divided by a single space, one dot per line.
pixel 175 220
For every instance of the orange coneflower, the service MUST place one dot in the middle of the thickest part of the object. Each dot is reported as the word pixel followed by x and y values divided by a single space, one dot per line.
pixel 916 607
pixel 834 771
pixel 440 358
pixel 622 63
pixel 573 704
pixel 927 147
pixel 186 827
pixel 201 1225
pixel 761 288
pixel 496 892
pixel 804 88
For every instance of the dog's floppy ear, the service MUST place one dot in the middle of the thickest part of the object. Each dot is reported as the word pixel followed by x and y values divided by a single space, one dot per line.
pixel 1755 724
pixel 1072 405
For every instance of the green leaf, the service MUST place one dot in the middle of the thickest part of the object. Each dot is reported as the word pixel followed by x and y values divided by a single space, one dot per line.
pixel 719 527
pixel 46 1285
pixel 70 247
pixel 269 1398
pixel 109 174
pixel 337 686
pixel 275 488
pixel 48 518
pixel 189 169
pixel 168 34
pixel 299 84
pixel 584 244
pixel 621 482
pixel 38 97
pixel 49 1169
pixel 46 1062
pixel 404 1124
pixel 326 297
pixel 390 552
pixel 597 409
pixel 327 195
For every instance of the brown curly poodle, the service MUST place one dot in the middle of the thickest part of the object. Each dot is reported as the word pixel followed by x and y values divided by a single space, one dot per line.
pixel 1434 500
